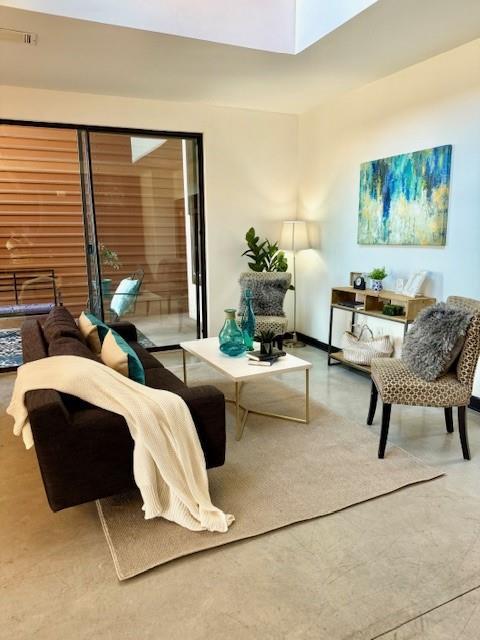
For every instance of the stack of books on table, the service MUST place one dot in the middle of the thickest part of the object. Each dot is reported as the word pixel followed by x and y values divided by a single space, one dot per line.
pixel 259 359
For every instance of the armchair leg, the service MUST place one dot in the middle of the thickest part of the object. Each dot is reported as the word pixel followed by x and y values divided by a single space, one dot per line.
pixel 387 409
pixel 462 428
pixel 449 419
pixel 373 403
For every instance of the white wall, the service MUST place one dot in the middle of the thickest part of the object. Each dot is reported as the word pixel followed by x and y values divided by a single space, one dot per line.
pixel 433 103
pixel 250 166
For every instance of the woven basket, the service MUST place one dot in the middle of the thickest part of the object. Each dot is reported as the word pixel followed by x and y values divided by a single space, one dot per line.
pixel 361 350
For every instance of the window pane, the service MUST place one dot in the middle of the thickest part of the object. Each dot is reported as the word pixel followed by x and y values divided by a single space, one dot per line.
pixel 41 222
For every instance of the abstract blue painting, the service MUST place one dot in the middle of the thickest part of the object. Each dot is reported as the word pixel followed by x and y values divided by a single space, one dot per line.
pixel 404 199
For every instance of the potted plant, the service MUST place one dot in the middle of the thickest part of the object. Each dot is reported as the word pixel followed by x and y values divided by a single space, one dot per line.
pixel 265 256
pixel 376 276
pixel 268 280
pixel 108 258
pixel 266 339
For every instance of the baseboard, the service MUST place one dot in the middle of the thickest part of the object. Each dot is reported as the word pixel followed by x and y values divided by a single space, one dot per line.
pixel 323 346
pixel 474 403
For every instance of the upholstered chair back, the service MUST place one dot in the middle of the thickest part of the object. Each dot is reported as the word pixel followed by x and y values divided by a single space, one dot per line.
pixel 467 362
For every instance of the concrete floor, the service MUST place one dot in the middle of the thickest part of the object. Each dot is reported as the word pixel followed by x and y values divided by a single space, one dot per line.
pixel 57 579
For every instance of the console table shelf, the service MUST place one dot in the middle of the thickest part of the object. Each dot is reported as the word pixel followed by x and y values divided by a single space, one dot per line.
pixel 370 303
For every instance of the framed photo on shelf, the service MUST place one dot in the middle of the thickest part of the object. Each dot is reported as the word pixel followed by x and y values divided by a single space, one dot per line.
pixel 414 284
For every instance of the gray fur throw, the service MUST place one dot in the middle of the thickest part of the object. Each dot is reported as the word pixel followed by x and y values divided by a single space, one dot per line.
pixel 435 340
pixel 268 288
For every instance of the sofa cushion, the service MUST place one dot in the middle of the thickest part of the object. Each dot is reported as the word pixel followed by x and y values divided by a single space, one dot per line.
pixel 68 346
pixel 93 330
pixel 165 379
pixel 118 354
pixel 147 359
pixel 60 323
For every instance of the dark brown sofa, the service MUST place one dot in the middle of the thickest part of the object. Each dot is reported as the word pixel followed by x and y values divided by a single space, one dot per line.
pixel 85 452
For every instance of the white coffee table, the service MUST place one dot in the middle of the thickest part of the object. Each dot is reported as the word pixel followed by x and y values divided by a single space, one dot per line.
pixel 239 371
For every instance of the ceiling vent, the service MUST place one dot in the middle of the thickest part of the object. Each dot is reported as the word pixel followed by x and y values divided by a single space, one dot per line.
pixel 22 37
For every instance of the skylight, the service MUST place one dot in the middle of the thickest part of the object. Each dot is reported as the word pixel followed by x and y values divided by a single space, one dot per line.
pixel 279 26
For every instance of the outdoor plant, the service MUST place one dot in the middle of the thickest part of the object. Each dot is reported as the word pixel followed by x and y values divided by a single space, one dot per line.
pixel 378 274
pixel 265 255
pixel 109 257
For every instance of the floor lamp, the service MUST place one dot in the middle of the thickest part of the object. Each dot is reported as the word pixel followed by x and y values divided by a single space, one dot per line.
pixel 294 238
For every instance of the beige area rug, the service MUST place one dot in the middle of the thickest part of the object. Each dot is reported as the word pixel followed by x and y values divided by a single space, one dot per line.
pixel 280 473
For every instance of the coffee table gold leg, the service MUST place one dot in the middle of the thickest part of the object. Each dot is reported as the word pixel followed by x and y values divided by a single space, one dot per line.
pixel 307 396
pixel 239 423
pixel 184 366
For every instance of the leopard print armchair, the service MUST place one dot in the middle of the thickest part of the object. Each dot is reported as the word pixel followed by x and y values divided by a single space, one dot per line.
pixel 397 385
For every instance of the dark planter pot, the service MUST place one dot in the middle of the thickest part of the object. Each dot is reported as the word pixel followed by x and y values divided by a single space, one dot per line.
pixel 106 286
pixel 266 348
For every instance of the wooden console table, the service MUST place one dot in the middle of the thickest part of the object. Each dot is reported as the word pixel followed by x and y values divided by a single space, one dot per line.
pixel 370 303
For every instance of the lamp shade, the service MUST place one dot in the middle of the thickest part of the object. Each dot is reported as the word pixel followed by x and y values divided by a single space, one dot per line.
pixel 294 236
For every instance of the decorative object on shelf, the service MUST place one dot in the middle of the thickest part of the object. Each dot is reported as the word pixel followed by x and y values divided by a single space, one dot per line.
pixel 266 339
pixel 404 199
pixel 361 351
pixel 414 284
pixel 247 323
pixel 294 238
pixel 359 283
pixel 231 336
pixel 399 285
pixel 264 256
pixel 392 310
pixel 376 276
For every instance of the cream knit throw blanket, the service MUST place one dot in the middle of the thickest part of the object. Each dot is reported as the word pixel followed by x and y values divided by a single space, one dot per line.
pixel 169 466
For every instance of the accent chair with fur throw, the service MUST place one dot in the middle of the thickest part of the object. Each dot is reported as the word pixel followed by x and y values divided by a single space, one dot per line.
pixel 421 379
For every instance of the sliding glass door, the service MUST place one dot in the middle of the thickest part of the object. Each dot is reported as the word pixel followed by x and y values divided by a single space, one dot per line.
pixel 115 216
pixel 143 233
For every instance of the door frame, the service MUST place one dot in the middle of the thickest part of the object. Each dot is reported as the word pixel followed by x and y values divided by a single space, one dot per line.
pixel 202 312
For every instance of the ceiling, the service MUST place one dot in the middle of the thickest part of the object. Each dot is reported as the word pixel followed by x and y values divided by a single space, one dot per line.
pixel 85 56
pixel 281 26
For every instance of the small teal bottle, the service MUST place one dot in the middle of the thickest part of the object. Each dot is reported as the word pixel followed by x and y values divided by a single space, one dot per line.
pixel 231 336
pixel 248 322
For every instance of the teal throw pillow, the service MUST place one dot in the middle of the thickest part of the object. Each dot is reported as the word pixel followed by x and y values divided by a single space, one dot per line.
pixel 119 355
pixel 124 297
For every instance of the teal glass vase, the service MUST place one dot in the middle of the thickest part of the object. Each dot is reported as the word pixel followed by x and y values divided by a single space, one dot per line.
pixel 247 323
pixel 231 336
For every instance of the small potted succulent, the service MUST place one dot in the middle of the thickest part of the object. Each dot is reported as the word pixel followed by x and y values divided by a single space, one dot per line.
pixel 377 276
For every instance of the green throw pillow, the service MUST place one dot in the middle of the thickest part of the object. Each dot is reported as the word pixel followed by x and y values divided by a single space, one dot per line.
pixel 119 355
pixel 93 330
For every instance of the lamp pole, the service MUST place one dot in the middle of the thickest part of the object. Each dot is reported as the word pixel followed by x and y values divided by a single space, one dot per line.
pixel 294 342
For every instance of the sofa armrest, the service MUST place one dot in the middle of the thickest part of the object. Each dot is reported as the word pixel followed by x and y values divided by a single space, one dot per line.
pixel 126 329
pixel 207 406
pixel 47 415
